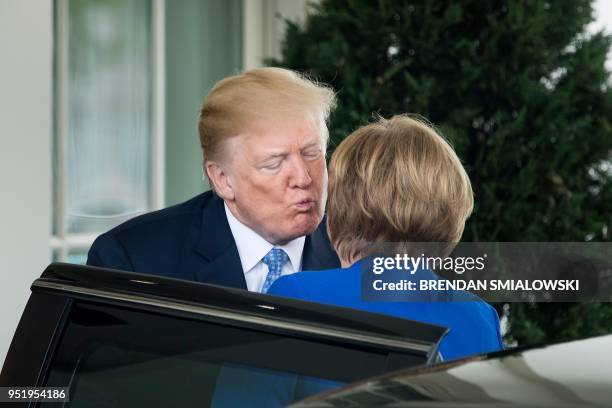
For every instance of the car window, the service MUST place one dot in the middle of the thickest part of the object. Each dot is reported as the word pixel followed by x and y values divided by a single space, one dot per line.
pixel 115 356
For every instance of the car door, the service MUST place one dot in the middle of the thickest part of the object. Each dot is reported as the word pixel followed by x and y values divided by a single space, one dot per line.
pixel 118 339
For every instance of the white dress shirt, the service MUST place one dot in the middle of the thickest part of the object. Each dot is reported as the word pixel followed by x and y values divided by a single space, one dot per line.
pixel 252 248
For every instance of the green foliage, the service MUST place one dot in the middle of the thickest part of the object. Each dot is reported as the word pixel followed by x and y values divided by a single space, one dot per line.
pixel 516 86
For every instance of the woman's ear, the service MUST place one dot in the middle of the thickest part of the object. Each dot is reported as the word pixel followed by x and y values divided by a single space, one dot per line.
pixel 220 180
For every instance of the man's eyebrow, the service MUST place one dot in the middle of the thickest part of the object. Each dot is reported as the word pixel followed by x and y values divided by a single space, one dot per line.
pixel 311 145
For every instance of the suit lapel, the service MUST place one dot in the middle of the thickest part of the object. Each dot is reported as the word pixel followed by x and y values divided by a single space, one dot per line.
pixel 318 253
pixel 222 264
pixel 224 270
pixel 216 244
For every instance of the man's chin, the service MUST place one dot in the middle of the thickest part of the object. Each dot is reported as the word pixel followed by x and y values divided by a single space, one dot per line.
pixel 305 224
pixel 298 230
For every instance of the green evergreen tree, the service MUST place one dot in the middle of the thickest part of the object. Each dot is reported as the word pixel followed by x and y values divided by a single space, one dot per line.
pixel 517 87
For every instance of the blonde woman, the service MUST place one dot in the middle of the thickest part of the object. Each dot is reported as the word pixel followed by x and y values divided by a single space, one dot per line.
pixel 397 180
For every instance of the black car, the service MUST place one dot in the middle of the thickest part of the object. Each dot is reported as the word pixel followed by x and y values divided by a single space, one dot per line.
pixel 571 374
pixel 112 339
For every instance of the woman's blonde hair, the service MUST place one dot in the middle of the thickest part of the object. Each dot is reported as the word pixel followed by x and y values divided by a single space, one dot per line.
pixel 395 180
pixel 262 94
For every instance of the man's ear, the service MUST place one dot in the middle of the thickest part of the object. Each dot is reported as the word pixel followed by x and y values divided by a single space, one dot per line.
pixel 220 180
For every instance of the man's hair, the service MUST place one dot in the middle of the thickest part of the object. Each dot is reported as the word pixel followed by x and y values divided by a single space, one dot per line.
pixel 395 180
pixel 256 96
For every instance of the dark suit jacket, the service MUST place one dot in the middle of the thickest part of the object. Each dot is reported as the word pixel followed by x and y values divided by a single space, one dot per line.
pixel 191 241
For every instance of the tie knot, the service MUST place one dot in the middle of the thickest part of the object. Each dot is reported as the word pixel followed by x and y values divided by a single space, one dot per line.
pixel 276 258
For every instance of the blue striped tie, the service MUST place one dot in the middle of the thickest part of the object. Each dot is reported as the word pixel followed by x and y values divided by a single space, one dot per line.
pixel 275 259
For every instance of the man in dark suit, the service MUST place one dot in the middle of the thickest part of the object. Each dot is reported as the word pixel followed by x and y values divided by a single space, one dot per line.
pixel 263 135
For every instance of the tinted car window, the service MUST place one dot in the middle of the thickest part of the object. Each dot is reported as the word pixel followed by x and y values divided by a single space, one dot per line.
pixel 115 356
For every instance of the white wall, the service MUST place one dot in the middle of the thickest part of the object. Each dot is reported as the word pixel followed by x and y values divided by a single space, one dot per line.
pixel 25 154
pixel 264 27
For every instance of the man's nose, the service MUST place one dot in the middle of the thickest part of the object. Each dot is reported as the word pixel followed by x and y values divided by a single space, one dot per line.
pixel 300 174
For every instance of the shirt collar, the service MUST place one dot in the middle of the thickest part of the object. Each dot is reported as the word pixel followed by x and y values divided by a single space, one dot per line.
pixel 252 247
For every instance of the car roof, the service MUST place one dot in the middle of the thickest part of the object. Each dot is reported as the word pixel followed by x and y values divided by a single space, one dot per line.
pixel 576 373
pixel 239 306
